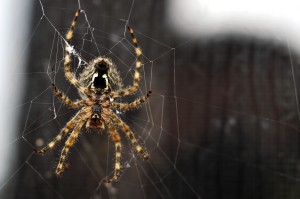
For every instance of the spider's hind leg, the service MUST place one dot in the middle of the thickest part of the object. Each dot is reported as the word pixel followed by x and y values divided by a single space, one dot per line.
pixel 125 128
pixel 61 135
pixel 117 140
pixel 69 143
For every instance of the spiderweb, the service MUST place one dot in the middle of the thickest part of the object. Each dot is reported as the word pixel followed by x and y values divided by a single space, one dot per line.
pixel 223 120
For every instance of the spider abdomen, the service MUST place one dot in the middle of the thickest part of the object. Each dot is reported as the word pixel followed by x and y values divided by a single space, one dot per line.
pixel 96 121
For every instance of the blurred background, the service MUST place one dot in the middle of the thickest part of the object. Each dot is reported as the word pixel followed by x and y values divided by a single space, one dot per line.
pixel 223 120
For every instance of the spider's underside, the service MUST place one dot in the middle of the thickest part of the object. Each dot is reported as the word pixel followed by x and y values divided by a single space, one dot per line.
pixel 98 85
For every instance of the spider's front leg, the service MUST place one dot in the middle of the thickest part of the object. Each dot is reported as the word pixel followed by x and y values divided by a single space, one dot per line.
pixel 137 74
pixel 125 128
pixel 66 100
pixel 70 75
pixel 117 139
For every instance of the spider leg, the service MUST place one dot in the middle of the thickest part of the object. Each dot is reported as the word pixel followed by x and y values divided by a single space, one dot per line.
pixel 70 75
pixel 125 128
pixel 134 104
pixel 69 143
pixel 116 138
pixel 61 135
pixel 137 75
pixel 66 100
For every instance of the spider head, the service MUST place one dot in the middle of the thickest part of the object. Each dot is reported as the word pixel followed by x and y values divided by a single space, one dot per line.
pixel 100 76
pixel 102 67
pixel 100 81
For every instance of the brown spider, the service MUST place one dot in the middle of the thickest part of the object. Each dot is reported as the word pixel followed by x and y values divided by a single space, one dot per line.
pixel 99 84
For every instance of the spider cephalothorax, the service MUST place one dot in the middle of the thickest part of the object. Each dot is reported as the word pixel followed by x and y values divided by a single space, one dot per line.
pixel 101 76
pixel 98 85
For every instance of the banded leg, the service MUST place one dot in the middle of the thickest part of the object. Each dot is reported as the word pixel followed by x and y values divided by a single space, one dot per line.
pixel 116 138
pixel 69 143
pixel 66 100
pixel 61 135
pixel 137 75
pixel 125 128
pixel 136 103
pixel 70 75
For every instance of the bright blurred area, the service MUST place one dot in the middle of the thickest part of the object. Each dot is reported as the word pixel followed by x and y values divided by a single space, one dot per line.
pixel 14 20
pixel 266 19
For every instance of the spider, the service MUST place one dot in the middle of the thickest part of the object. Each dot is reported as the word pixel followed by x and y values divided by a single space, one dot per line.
pixel 98 85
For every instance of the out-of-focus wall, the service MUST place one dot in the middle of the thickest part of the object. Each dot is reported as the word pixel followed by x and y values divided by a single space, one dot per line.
pixel 14 20
pixel 267 19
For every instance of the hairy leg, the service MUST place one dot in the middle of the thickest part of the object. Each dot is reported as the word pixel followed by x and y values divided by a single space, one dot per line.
pixel 125 128
pixel 69 143
pixel 137 74
pixel 136 103
pixel 61 135
pixel 66 100
pixel 116 138
pixel 70 75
